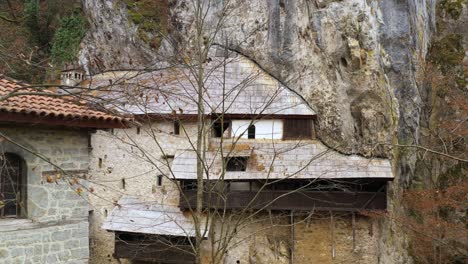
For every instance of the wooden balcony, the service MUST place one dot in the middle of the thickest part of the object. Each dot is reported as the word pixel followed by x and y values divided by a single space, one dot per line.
pixel 289 200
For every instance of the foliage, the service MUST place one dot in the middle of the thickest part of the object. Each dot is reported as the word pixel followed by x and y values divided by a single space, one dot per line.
pixel 31 11
pixel 447 52
pixel 452 7
pixel 437 223
pixel 151 17
pixel 27 36
pixel 67 38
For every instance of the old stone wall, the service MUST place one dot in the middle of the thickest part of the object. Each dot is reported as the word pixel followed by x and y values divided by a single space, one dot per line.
pixel 29 242
pixel 128 162
pixel 56 208
pixel 317 242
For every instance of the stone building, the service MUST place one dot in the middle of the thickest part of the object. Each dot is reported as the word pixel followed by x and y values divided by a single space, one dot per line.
pixel 263 167
pixel 45 151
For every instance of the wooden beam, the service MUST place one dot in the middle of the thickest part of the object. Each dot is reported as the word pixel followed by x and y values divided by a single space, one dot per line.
pixel 193 117
pixel 291 200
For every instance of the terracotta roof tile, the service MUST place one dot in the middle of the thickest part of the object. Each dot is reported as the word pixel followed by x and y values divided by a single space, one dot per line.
pixel 50 107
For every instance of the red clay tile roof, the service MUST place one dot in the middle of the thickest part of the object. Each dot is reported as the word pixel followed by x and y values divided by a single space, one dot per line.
pixel 50 110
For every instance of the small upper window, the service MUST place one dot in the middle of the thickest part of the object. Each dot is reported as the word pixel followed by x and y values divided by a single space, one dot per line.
pixel 251 131
pixel 219 128
pixel 159 180
pixel 176 128
pixel 236 163
pixel 12 186
pixel 298 129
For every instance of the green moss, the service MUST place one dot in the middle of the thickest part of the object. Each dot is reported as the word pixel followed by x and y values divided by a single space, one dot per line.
pixel 67 38
pixel 447 52
pixel 135 16
pixel 452 7
pixel 151 16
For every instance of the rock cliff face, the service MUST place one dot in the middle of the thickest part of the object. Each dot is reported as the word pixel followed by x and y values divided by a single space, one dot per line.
pixel 355 61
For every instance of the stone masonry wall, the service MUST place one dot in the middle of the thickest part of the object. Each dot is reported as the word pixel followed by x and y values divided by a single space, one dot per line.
pixel 33 243
pixel 118 167
pixel 57 209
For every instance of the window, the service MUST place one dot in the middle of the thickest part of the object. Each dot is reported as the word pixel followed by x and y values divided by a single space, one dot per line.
pixel 219 128
pixel 168 159
pixel 159 180
pixel 251 132
pixel 12 186
pixel 236 163
pixel 298 129
pixel 176 128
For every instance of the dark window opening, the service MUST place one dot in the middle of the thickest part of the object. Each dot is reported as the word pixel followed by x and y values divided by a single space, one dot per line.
pixel 146 239
pixel 12 186
pixel 168 159
pixel 100 163
pixel 123 184
pixel 298 129
pixel 188 185
pixel 236 163
pixel 251 132
pixel 176 128
pixel 219 128
pixel 159 180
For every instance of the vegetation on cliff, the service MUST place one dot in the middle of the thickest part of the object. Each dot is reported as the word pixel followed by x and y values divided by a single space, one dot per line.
pixel 151 17
pixel 38 36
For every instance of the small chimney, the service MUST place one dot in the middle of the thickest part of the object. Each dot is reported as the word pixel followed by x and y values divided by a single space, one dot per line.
pixel 72 75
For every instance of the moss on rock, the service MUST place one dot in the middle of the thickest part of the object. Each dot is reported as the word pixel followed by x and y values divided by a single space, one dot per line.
pixel 447 52
pixel 151 17
pixel 452 7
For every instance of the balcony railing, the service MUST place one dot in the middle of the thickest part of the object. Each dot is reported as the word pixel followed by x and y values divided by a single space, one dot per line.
pixel 288 200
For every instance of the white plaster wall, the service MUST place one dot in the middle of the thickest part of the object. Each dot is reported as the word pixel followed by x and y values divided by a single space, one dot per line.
pixel 264 129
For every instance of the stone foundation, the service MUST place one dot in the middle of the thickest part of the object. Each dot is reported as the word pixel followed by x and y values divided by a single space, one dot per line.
pixel 28 242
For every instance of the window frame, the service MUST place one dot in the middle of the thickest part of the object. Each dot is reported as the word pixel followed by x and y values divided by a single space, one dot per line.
pixel 20 184
pixel 293 129
pixel 251 130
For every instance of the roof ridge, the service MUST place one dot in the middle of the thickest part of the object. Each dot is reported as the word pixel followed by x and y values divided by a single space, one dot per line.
pixel 11 79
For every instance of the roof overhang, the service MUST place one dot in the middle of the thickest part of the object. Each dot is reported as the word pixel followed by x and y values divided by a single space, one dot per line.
pixel 135 216
pixel 193 117
pixel 21 118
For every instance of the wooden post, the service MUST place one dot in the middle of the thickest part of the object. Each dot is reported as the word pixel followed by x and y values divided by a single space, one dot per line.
pixel 291 221
pixel 332 235
pixel 354 231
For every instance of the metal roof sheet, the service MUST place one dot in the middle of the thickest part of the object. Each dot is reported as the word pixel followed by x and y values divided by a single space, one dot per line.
pixel 133 215
pixel 232 86
pixel 285 159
